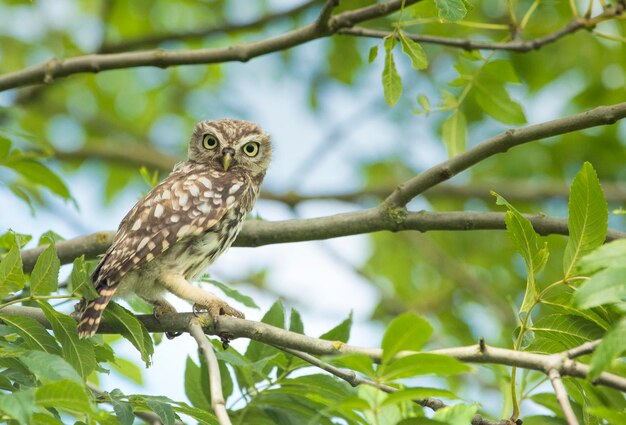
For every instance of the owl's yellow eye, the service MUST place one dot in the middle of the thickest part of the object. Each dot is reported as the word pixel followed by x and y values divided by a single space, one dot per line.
pixel 251 148
pixel 209 141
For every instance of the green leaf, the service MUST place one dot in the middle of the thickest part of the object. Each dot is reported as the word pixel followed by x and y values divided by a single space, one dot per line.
pixel 392 84
pixel 124 367
pixel 123 412
pixel 495 101
pixel 454 132
pixel 45 275
pixel 422 364
pixel 424 103
pixel 197 387
pixel 344 59
pixel 38 173
pixel 459 414
pixel 163 410
pixel 588 217
pixel 35 336
pixel 406 332
pixel 612 416
pixel 413 51
pixel 65 395
pixel 232 293
pixel 357 362
pixel 77 352
pixel 5 147
pixel 11 274
pixel 131 329
pixel 605 287
pixel 341 332
pixel 612 346
pixel 49 367
pixel 275 316
pixel 373 54
pixel 80 280
pixel 521 232
pixel 202 416
pixel 418 393
pixel 608 255
pixel 567 330
pixel 295 322
pixel 451 10
pixel 18 405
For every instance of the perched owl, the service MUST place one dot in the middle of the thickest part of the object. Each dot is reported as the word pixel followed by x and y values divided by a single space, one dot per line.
pixel 184 223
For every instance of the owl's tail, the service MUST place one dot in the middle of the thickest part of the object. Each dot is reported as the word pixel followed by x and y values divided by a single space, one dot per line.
pixel 91 316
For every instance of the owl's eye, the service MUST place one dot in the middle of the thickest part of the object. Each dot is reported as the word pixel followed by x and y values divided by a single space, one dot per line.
pixel 251 148
pixel 209 141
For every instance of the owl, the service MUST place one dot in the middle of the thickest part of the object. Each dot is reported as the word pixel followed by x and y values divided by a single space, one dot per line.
pixel 184 223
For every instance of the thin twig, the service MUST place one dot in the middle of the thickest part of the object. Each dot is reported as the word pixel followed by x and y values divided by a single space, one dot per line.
pixel 562 397
pixel 353 379
pixel 54 69
pixel 215 381
pixel 156 39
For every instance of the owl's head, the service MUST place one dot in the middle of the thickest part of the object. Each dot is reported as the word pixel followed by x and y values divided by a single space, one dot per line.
pixel 231 145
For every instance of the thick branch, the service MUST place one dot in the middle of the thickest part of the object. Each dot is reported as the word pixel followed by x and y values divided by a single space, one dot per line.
pixel 215 381
pixel 49 71
pixel 603 115
pixel 155 39
pixel 258 233
pixel 240 328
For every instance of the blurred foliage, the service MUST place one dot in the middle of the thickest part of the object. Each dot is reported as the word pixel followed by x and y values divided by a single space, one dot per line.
pixel 124 123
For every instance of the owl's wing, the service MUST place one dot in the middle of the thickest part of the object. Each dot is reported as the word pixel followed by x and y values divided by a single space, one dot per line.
pixel 182 205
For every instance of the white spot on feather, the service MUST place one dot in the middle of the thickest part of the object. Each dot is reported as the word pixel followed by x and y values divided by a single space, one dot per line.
pixel 158 210
pixel 137 224
pixel 206 182
pixel 193 189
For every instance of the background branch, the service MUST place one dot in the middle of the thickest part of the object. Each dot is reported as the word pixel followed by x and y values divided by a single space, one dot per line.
pixel 155 39
pixel 49 71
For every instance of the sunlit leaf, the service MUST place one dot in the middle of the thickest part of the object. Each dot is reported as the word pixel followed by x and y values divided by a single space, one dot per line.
pixel 18 405
pixel 406 332
pixel 45 275
pixel 613 345
pixel 605 287
pixel 66 395
pixel 588 217
pixel 35 336
pixel 275 316
pixel 341 332
pixel 408 394
pixel 197 386
pixel 423 364
pixel 49 367
pixel 77 352
pixel 39 174
pixel 232 293
pixel 454 132
pixel 392 84
pixel 12 277
pixel 459 414
pixel 611 254
pixel 451 10
pixel 373 53
pixel 131 329
pixel 414 51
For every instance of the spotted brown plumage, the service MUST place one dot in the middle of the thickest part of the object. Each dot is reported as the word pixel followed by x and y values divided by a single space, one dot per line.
pixel 184 223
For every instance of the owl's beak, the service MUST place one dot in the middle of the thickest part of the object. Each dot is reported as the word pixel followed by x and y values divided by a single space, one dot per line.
pixel 227 159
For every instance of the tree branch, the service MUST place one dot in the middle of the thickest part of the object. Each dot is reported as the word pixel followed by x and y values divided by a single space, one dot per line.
pixel 53 69
pixel 138 155
pixel 522 46
pixel 351 378
pixel 562 397
pixel 602 115
pixel 155 39
pixel 258 233
pixel 241 328
pixel 215 381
